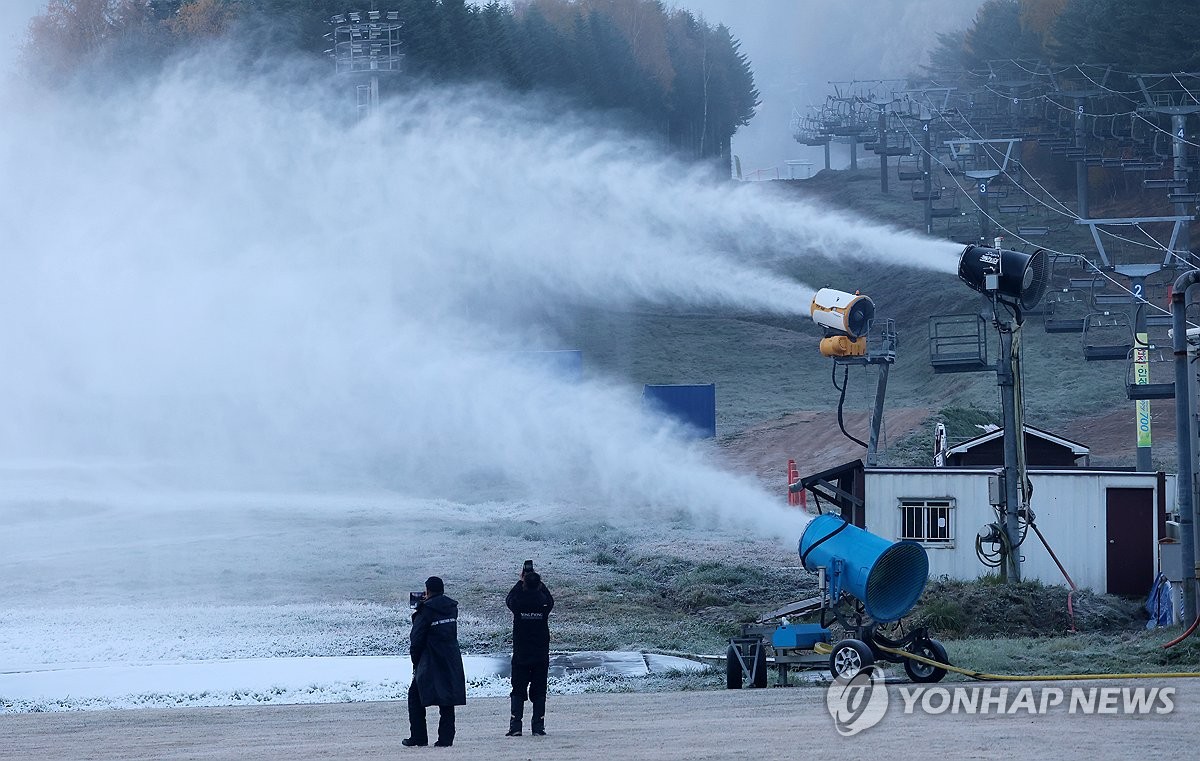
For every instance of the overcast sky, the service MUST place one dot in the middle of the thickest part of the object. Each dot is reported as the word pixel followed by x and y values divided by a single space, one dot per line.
pixel 797 46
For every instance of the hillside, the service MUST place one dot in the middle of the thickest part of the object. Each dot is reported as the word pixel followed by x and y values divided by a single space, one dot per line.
pixel 774 391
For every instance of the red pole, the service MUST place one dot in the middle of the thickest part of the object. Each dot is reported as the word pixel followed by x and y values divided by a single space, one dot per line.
pixel 795 498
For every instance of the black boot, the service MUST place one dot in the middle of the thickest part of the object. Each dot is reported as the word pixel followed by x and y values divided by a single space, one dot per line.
pixel 537 722
pixel 517 707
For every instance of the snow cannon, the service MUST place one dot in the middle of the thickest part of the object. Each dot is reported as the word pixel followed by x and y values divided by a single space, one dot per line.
pixel 886 577
pixel 864 583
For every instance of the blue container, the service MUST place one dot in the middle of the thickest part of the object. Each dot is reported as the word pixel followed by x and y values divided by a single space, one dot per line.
pixel 799 635
pixel 695 406
pixel 887 577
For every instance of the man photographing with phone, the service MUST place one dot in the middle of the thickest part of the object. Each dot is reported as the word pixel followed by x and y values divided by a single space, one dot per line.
pixel 530 602
pixel 438 676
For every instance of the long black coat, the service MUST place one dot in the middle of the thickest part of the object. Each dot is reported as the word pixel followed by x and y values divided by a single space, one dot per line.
pixel 437 661
pixel 531 627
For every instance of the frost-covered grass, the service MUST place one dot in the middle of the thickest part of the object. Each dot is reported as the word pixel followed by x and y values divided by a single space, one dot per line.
pixel 168 579
pixel 356 691
pixel 1096 653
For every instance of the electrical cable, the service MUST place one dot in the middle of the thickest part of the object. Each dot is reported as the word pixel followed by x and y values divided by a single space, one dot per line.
pixel 841 403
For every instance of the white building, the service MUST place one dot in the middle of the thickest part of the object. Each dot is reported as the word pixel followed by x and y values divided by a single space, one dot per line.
pixel 1104 526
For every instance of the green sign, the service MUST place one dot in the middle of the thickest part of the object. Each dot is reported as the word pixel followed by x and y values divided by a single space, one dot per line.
pixel 1141 377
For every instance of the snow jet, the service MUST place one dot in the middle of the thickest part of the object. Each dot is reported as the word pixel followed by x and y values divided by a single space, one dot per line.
pixel 227 276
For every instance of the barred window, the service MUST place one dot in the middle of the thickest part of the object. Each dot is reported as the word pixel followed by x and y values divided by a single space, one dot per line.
pixel 928 521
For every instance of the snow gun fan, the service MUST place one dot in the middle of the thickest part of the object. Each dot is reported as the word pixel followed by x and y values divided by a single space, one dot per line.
pixel 846 318
pixel 865 585
pixel 1013 277
pixel 886 577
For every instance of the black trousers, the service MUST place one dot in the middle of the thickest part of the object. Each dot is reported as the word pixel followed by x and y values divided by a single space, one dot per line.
pixel 529 680
pixel 416 719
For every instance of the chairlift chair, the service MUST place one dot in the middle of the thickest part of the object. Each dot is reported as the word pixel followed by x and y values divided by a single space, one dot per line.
pixel 1157 369
pixel 1065 311
pixel 1100 295
pixel 1107 336
pixel 1070 271
pixel 920 194
pixel 947 211
pixel 909 168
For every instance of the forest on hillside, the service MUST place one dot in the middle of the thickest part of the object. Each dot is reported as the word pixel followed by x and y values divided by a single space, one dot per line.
pixel 1132 35
pixel 665 72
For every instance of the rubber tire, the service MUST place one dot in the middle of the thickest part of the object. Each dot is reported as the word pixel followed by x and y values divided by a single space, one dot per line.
pixel 849 653
pixel 760 667
pixel 923 673
pixel 733 669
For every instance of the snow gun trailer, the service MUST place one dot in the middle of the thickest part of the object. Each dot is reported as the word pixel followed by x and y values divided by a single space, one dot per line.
pixel 865 584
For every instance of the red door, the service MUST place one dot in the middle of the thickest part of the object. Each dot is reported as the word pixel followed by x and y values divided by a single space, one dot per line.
pixel 1130 534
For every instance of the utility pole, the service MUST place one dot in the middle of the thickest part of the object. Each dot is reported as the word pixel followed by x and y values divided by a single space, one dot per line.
pixel 927 168
pixel 1185 432
pixel 1007 371
pixel 1081 169
pixel 882 145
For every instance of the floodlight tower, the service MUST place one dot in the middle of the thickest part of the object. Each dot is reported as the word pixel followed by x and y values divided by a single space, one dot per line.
pixel 366 43
pixel 1012 281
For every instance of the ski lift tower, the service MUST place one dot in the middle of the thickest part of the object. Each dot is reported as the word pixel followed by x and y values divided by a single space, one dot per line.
pixel 1142 391
pixel 366 44
pixel 923 106
pixel 1179 101
pixel 983 169
pixel 1080 95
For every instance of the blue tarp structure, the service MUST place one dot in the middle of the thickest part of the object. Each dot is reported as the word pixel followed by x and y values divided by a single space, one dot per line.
pixel 694 406
pixel 1160 604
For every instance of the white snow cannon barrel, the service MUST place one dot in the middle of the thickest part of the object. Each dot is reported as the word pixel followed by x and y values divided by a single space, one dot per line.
pixel 887 577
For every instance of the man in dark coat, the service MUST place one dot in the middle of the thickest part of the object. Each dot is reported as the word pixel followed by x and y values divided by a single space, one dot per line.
pixel 438 677
pixel 530 603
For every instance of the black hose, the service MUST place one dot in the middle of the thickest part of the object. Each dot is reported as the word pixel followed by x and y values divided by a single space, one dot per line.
pixel 822 540
pixel 841 401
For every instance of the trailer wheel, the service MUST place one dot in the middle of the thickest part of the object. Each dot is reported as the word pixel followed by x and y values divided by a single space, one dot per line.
pixel 760 666
pixel 923 672
pixel 733 669
pixel 849 657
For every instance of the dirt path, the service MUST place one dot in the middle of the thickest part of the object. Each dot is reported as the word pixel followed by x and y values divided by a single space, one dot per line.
pixel 814 440
pixel 773 723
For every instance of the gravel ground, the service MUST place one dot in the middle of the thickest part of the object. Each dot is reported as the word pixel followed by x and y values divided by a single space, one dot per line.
pixel 679 725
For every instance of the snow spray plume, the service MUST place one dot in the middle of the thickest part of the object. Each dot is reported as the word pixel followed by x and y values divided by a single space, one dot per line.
pixel 225 273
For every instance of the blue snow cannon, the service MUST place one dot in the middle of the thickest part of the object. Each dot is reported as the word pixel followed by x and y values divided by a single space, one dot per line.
pixel 887 577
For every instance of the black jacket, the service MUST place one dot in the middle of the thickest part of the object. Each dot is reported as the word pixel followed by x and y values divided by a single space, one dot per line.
pixel 437 661
pixel 531 628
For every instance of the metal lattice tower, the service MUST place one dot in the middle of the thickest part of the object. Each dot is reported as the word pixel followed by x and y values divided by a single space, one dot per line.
pixel 366 43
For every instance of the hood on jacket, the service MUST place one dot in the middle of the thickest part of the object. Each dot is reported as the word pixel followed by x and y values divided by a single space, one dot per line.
pixel 443 606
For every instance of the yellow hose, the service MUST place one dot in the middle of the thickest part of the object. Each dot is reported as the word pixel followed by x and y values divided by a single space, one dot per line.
pixel 823 648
